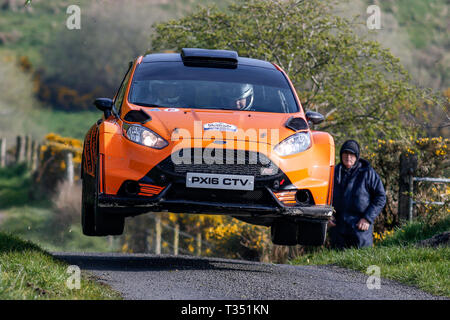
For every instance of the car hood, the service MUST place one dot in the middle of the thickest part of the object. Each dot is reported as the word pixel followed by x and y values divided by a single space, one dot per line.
pixel 221 124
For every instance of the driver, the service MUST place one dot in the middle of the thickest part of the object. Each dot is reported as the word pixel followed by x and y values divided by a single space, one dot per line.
pixel 166 92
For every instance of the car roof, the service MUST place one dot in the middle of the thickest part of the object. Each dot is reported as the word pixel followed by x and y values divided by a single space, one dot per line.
pixel 176 57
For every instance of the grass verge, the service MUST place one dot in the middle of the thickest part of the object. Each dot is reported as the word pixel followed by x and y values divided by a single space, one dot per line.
pixel 398 257
pixel 28 272
pixel 37 220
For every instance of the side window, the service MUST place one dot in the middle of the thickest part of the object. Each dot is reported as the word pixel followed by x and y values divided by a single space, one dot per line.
pixel 121 93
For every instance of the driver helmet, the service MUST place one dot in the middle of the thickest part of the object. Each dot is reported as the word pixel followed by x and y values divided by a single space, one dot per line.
pixel 243 96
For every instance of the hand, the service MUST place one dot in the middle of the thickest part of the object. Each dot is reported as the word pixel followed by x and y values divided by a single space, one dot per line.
pixel 363 224
pixel 331 224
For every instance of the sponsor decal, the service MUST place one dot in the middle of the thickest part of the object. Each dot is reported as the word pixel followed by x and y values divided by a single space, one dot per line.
pixel 219 126
pixel 155 109
pixel 171 109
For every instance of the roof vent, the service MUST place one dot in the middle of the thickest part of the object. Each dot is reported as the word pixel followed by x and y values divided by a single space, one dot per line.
pixel 194 57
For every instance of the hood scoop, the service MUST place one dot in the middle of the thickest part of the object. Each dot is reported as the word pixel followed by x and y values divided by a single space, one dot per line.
pixel 137 116
pixel 296 124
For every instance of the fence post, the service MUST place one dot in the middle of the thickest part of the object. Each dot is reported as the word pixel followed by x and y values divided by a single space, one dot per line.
pixel 69 167
pixel 39 154
pixel 158 234
pixel 408 166
pixel 34 155
pixel 2 152
pixel 27 150
pixel 176 239
pixel 199 244
pixel 19 149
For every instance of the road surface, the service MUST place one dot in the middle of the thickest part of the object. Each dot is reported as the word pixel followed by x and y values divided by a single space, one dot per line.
pixel 167 277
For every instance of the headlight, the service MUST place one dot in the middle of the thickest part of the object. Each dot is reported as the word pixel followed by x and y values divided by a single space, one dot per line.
pixel 144 136
pixel 294 144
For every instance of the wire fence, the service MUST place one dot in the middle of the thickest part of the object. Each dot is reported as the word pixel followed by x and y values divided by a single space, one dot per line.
pixel 413 202
pixel 158 240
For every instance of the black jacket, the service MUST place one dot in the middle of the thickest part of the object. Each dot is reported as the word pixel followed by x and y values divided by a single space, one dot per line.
pixel 358 193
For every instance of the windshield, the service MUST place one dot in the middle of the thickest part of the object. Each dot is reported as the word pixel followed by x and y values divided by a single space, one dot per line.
pixel 171 84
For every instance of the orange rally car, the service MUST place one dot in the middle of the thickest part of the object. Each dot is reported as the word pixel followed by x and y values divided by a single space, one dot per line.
pixel 208 132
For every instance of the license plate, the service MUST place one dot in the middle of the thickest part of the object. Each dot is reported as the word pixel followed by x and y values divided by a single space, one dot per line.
pixel 219 181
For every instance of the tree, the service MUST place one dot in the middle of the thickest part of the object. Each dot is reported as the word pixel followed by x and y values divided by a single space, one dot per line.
pixel 361 88
pixel 81 65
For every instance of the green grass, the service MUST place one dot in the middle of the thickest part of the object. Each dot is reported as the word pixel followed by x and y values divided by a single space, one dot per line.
pixel 16 186
pixel 35 219
pixel 398 258
pixel 67 124
pixel 38 225
pixel 35 28
pixel 416 231
pixel 28 272
pixel 424 21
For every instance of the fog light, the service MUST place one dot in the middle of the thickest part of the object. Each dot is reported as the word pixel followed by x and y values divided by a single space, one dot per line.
pixel 303 197
pixel 132 188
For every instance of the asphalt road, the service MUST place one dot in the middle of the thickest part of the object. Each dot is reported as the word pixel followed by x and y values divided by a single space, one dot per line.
pixel 166 277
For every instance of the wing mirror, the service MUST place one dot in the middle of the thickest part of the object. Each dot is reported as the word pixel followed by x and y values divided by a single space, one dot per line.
pixel 105 105
pixel 314 117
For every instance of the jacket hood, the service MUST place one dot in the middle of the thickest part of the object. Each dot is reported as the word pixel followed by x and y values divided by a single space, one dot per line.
pixel 351 146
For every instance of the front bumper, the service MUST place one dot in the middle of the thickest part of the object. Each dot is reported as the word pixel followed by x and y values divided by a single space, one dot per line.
pixel 160 203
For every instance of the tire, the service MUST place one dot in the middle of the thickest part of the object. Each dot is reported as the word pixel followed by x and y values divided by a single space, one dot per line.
pixel 87 207
pixel 284 233
pixel 97 221
pixel 107 224
pixel 312 233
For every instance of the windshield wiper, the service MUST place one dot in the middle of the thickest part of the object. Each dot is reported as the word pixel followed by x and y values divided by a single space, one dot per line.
pixel 152 105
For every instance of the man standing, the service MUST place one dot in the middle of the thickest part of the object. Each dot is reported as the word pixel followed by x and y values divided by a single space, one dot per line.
pixel 358 198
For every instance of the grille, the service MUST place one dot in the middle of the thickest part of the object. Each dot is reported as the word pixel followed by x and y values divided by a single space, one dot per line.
pixel 221 162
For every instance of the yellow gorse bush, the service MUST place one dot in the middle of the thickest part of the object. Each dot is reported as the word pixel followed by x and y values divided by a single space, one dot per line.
pixel 52 168
pixel 58 144
pixel 226 236
pixel 432 160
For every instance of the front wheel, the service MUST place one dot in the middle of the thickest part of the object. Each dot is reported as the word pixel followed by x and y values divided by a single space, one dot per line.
pixel 87 207
pixel 96 221
pixel 284 233
pixel 108 224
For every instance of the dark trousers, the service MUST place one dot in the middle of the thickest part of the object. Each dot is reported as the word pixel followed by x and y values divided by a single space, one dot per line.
pixel 341 239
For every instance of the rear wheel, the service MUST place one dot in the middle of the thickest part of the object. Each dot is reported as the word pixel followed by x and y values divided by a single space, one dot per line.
pixel 312 233
pixel 284 233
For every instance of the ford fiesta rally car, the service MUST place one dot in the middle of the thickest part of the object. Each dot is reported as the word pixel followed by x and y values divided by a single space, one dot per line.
pixel 208 132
